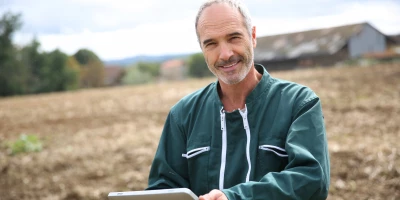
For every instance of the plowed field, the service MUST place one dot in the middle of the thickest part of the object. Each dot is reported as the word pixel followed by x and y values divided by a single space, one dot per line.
pixel 101 140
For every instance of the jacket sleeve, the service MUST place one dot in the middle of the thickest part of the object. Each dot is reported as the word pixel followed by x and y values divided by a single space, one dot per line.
pixel 307 174
pixel 168 169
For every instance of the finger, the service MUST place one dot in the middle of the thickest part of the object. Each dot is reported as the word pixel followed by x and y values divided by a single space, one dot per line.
pixel 204 197
pixel 222 197
pixel 217 195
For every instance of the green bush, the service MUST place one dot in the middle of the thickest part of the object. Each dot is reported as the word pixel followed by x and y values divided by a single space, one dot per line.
pixel 135 76
pixel 26 143
pixel 198 66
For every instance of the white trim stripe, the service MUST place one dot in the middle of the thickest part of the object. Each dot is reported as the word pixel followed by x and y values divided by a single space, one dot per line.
pixel 247 128
pixel 271 148
pixel 223 153
pixel 195 152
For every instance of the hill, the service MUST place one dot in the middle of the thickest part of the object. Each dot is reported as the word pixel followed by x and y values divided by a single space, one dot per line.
pixel 144 58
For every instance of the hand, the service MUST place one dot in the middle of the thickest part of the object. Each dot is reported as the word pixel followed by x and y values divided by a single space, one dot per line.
pixel 214 195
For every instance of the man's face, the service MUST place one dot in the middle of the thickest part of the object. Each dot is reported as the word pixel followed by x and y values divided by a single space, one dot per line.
pixel 225 42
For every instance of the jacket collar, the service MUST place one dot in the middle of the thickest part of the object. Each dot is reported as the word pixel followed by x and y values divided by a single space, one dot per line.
pixel 261 87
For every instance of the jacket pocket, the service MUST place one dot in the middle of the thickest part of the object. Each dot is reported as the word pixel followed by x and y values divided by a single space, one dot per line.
pixel 195 152
pixel 198 155
pixel 271 158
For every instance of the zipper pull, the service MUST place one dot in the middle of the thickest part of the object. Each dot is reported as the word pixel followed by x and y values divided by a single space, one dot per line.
pixel 222 114
pixel 244 116
pixel 245 123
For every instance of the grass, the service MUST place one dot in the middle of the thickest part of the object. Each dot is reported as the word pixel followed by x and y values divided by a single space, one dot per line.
pixel 25 143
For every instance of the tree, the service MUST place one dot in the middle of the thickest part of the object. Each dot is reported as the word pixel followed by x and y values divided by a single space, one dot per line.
pixel 33 62
pixel 94 74
pixel 56 69
pixel 92 69
pixel 12 73
pixel 135 76
pixel 48 72
pixel 198 67
pixel 84 56
pixel 28 70
pixel 147 67
pixel 74 73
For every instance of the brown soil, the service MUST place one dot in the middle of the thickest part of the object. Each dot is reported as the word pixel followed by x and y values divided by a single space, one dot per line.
pixel 102 140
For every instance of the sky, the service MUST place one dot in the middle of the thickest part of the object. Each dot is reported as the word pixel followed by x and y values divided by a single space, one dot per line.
pixel 116 29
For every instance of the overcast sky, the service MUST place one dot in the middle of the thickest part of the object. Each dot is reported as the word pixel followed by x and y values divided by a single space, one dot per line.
pixel 116 29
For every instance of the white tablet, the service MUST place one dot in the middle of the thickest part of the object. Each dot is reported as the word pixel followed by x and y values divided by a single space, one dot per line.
pixel 162 194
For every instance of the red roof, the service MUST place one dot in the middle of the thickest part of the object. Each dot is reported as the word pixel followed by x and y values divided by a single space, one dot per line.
pixel 172 63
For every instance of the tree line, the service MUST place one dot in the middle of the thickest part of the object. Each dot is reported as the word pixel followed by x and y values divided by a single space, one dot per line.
pixel 148 72
pixel 28 70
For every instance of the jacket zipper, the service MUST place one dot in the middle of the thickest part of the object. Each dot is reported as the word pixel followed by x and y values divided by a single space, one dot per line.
pixel 223 153
pixel 224 141
pixel 195 152
pixel 247 128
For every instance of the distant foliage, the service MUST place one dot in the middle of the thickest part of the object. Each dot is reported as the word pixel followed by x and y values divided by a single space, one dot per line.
pixel 85 56
pixel 149 67
pixel 198 66
pixel 141 73
pixel 26 143
pixel 28 70
pixel 12 72
pixel 36 65
pixel 92 69
pixel 135 76
pixel 74 73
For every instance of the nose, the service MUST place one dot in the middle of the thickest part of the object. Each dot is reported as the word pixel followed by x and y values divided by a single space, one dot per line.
pixel 225 52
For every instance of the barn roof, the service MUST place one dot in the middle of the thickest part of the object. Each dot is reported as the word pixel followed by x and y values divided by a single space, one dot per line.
pixel 173 63
pixel 305 43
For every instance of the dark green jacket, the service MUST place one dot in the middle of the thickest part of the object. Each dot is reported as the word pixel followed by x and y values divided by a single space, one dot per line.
pixel 276 149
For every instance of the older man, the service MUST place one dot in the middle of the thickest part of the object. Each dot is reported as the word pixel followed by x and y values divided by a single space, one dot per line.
pixel 248 135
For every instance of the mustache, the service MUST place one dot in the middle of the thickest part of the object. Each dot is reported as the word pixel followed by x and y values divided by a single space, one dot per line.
pixel 233 59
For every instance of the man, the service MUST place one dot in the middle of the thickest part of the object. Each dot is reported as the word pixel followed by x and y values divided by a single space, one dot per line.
pixel 248 135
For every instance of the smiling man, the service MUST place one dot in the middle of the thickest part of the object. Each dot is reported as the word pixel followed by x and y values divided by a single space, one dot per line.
pixel 248 135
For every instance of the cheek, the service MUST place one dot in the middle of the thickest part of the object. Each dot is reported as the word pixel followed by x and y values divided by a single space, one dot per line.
pixel 209 58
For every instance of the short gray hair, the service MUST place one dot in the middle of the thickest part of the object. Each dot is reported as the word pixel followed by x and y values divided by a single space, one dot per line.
pixel 234 4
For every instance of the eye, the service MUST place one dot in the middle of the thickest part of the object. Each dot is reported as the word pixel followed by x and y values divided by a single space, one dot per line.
pixel 234 38
pixel 210 44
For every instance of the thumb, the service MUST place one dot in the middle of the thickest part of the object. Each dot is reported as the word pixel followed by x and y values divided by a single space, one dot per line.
pixel 203 197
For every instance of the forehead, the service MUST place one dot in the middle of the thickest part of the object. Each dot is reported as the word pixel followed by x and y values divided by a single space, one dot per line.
pixel 219 19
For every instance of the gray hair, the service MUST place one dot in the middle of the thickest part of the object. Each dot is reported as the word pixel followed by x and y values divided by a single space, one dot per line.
pixel 234 4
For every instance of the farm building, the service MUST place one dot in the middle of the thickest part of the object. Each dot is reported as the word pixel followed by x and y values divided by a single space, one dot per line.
pixel 396 38
pixel 321 47
pixel 113 75
pixel 174 69
pixel 395 47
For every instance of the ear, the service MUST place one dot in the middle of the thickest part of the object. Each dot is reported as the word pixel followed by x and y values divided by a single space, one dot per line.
pixel 254 36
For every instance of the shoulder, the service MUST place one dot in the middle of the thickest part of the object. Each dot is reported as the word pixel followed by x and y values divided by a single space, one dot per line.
pixel 295 94
pixel 281 88
pixel 290 88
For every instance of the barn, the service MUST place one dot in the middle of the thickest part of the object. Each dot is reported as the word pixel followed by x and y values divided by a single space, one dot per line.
pixel 174 69
pixel 320 47
pixel 113 75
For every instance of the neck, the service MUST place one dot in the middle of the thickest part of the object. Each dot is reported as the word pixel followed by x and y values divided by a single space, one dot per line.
pixel 234 96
